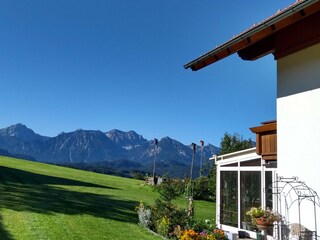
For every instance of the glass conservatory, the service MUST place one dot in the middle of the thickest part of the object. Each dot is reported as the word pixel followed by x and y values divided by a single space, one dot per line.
pixel 242 181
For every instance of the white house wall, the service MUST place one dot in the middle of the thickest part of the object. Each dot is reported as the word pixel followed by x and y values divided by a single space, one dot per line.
pixel 298 122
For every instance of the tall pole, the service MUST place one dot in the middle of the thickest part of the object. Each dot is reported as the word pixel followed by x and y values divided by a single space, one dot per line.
pixel 201 147
pixel 190 192
pixel 154 161
pixel 193 145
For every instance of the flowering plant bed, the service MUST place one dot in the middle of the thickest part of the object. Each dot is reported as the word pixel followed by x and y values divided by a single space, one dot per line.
pixel 168 220
pixel 190 234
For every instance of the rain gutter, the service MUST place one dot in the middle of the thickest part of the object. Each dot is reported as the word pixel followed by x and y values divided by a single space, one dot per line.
pixel 263 25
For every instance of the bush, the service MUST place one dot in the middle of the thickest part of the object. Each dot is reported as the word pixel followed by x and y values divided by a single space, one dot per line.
pixel 163 226
pixel 204 188
pixel 201 225
pixel 170 221
pixel 144 214
pixel 138 175
pixel 165 215
pixel 170 189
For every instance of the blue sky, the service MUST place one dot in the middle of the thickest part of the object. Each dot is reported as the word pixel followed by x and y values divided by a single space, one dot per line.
pixel 106 64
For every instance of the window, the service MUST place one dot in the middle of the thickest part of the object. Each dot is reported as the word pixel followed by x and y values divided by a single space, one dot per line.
pixel 243 181
pixel 268 189
pixel 250 192
pixel 229 198
pixel 253 162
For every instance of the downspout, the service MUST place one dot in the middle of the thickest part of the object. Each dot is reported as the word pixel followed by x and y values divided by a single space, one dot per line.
pixel 263 184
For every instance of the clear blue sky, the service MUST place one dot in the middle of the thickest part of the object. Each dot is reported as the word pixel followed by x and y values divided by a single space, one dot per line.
pixel 105 64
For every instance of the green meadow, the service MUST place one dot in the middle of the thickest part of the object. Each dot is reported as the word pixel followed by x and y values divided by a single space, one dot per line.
pixel 42 201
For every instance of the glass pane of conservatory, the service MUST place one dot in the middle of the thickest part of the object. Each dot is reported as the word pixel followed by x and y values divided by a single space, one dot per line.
pixel 250 191
pixel 250 163
pixel 268 189
pixel 229 198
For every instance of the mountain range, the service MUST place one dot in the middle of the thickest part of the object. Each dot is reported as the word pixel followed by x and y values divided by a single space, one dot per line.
pixel 114 151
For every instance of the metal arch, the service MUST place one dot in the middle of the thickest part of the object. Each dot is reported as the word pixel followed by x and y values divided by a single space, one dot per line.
pixel 293 191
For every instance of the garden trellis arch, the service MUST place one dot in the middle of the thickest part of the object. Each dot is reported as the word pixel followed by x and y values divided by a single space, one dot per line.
pixel 290 195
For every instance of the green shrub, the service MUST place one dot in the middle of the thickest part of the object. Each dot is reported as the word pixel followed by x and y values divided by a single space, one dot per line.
pixel 170 189
pixel 163 226
pixel 174 215
pixel 165 215
pixel 201 225
pixel 204 188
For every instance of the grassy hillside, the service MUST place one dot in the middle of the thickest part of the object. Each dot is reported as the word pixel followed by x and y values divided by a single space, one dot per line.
pixel 40 201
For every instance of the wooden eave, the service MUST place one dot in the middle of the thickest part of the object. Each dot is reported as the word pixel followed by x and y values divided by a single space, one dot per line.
pixel 260 39
pixel 265 128
pixel 266 140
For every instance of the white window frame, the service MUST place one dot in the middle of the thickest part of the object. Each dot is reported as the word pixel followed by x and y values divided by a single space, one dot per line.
pixel 237 157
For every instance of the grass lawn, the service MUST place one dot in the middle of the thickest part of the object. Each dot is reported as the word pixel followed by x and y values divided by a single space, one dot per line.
pixel 41 201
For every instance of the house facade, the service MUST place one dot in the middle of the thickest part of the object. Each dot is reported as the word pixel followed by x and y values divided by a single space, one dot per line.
pixel 298 116
pixel 293 37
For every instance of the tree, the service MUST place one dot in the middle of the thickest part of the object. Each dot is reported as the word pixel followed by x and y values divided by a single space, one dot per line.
pixel 165 215
pixel 205 186
pixel 229 143
pixel 232 143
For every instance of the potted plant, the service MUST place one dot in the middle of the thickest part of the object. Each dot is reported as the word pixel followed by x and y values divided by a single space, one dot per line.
pixel 263 217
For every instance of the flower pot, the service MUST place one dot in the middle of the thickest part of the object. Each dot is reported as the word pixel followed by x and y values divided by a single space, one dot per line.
pixel 261 222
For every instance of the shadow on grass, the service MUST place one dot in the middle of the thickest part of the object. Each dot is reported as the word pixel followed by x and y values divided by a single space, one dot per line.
pixel 25 191
pixel 4 234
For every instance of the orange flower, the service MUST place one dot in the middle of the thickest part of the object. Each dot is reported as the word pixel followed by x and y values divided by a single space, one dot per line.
pixel 192 233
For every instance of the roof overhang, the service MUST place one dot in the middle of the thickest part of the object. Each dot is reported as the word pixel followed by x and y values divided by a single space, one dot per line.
pixel 258 40
pixel 266 140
